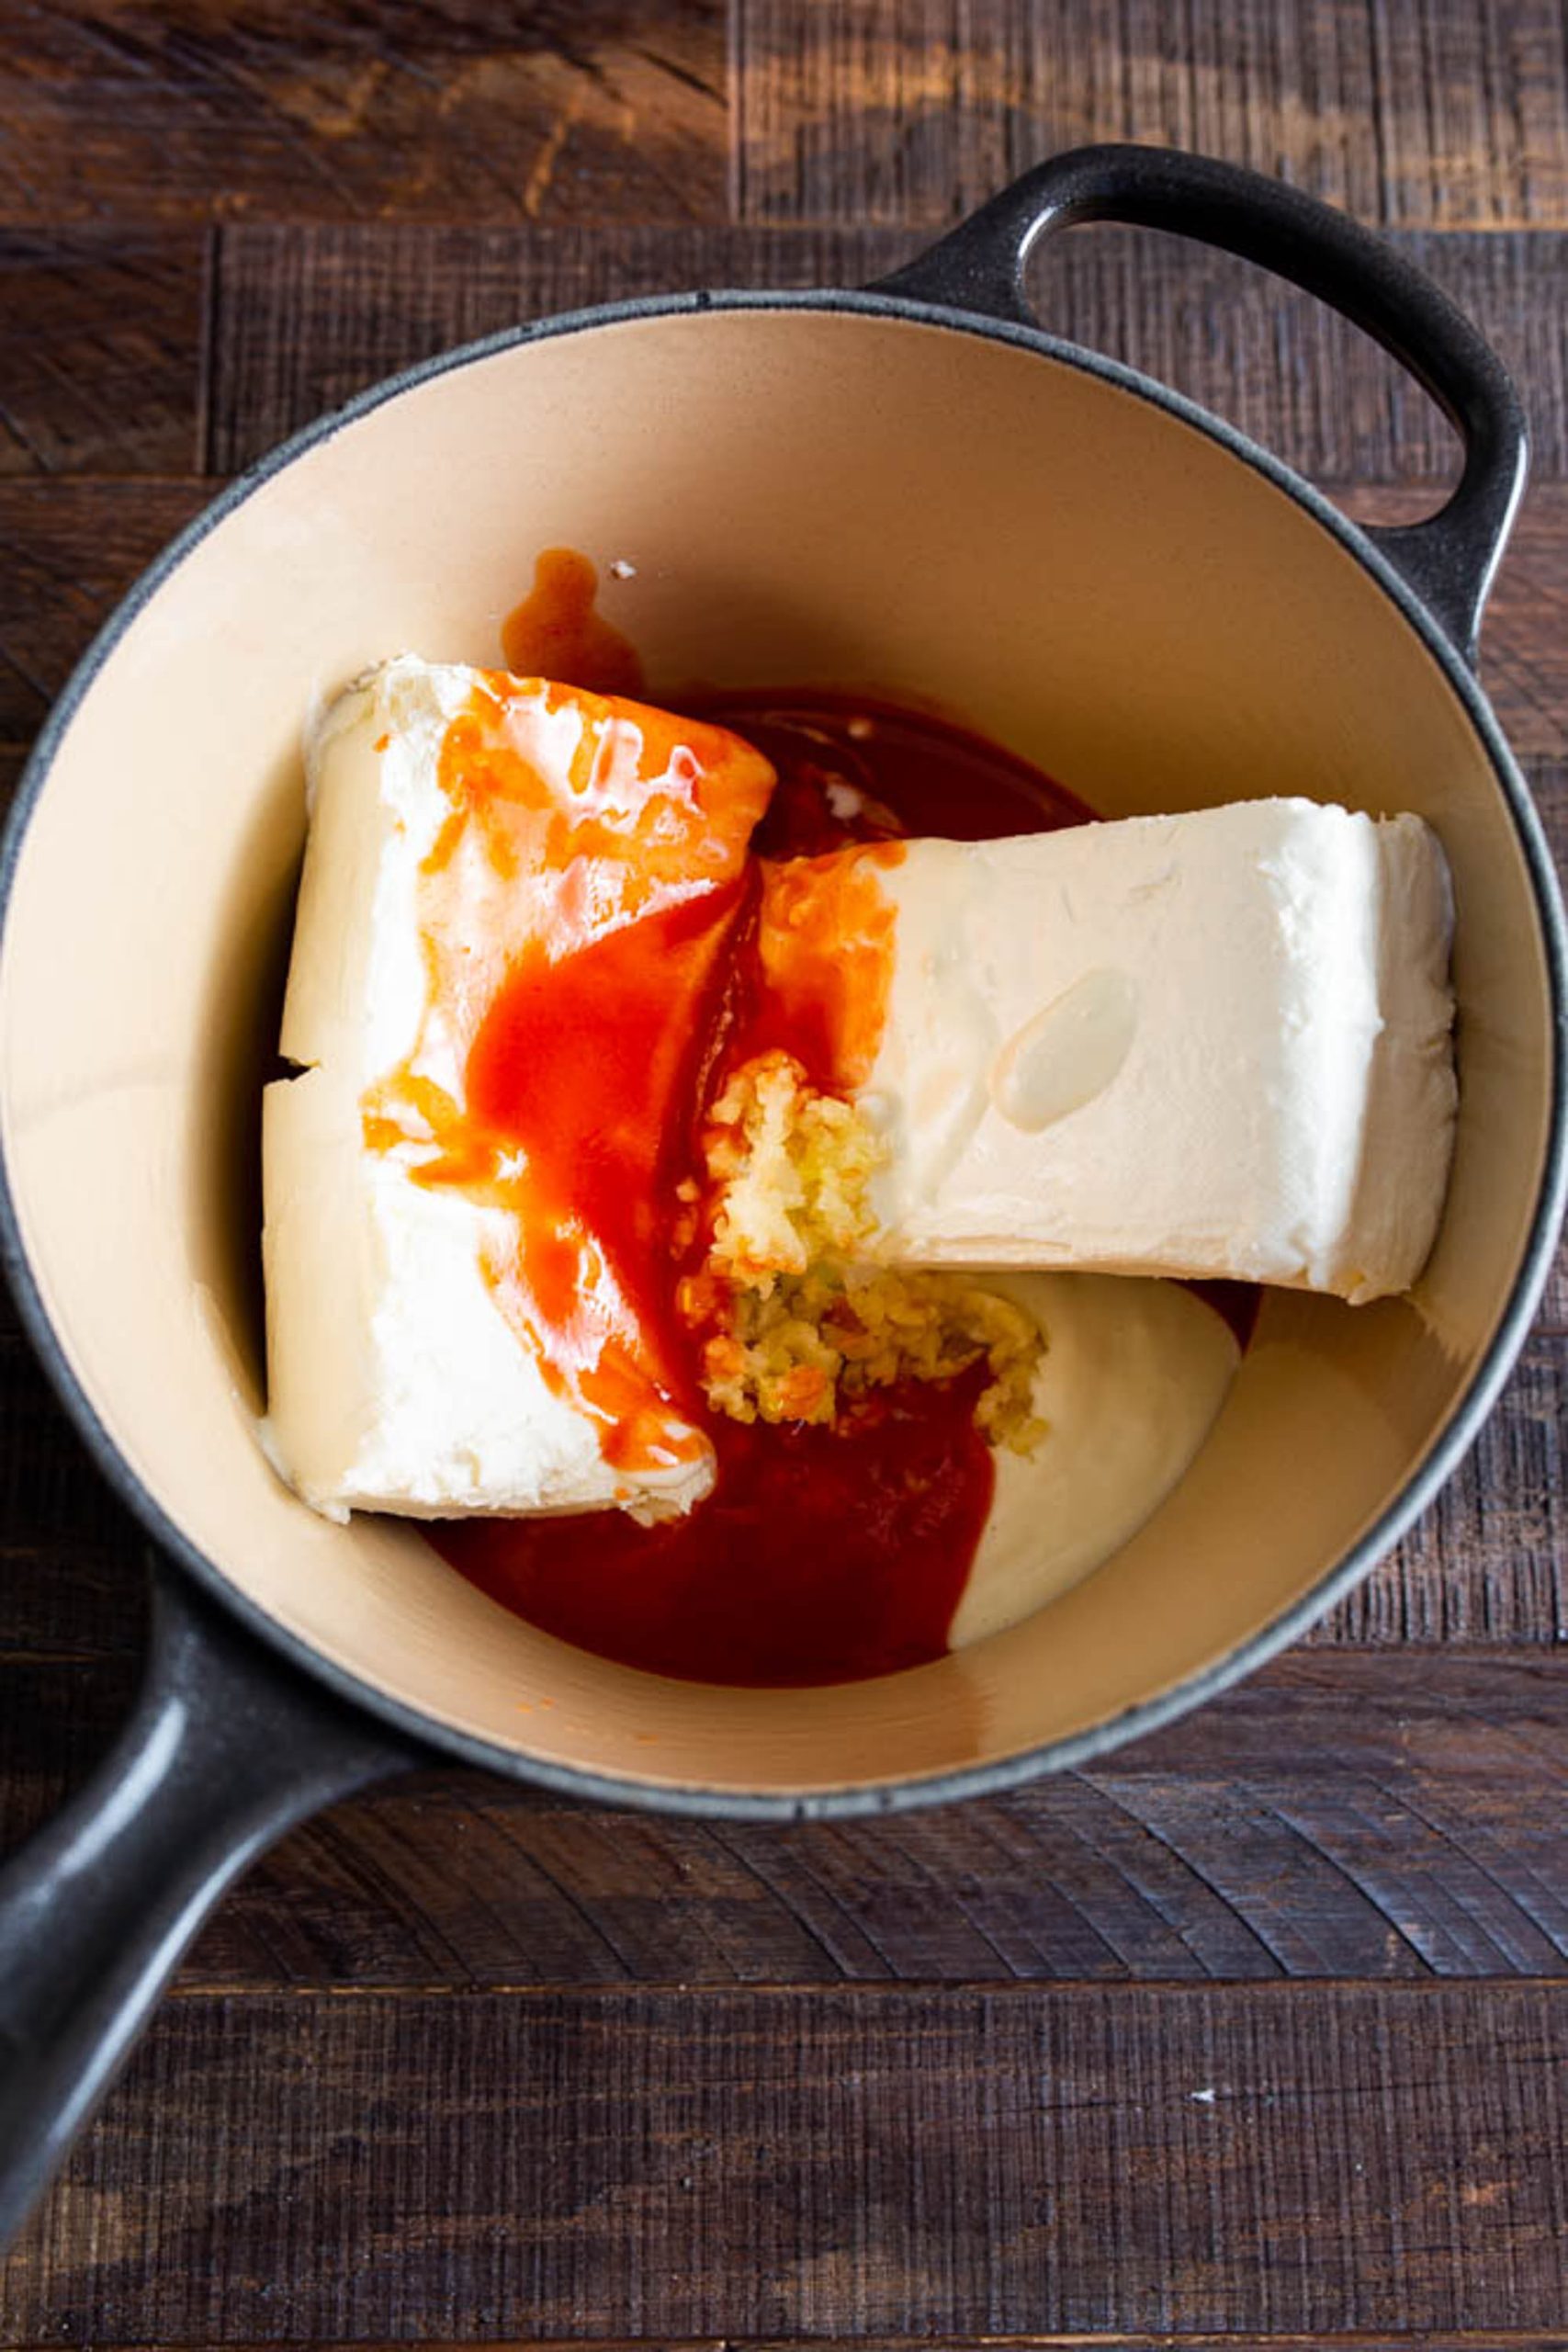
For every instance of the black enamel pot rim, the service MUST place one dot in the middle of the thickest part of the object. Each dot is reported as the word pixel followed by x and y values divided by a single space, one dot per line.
pixel 980 1780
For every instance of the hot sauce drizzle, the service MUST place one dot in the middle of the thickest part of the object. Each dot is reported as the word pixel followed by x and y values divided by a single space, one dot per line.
pixel 852 768
pixel 556 632
pixel 594 909
pixel 823 963
pixel 823 1555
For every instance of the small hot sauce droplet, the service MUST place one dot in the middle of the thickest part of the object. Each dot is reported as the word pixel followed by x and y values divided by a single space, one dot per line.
pixel 556 632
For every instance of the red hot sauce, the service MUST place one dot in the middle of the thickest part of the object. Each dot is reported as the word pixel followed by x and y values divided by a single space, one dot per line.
pixel 823 1555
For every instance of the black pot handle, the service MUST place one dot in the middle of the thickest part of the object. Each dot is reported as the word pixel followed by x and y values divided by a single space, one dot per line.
pixel 1448 560
pixel 228 1746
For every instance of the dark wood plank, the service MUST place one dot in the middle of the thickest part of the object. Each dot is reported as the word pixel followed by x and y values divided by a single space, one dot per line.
pixel 69 550
pixel 1439 113
pixel 1489 1561
pixel 1270 1837
pixel 1376 1814
pixel 69 1553
pixel 68 553
pixel 100 350
pixel 141 109
pixel 308 315
pixel 1356 2340
pixel 1547 780
pixel 750 2164
pixel 1524 646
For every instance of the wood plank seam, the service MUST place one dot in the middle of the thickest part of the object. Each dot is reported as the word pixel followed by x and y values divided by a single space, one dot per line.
pixel 1316 2161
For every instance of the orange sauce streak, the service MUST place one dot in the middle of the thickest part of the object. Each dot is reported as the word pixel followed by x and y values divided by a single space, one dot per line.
pixel 825 945
pixel 604 1023
pixel 583 1068
pixel 556 632
pixel 823 1555
pixel 574 910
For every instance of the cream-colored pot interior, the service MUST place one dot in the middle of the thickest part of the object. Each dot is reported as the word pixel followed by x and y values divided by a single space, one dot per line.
pixel 808 496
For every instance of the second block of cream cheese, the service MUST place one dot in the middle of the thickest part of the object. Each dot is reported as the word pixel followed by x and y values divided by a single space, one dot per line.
pixel 1215 1044
pixel 461 819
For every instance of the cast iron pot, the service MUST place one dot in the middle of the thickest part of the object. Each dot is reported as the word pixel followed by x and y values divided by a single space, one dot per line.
pixel 912 489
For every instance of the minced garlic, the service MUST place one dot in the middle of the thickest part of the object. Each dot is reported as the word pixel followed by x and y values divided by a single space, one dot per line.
pixel 798 1324
pixel 793 1167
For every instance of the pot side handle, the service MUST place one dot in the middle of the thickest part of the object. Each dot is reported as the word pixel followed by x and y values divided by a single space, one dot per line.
pixel 1449 561
pixel 227 1747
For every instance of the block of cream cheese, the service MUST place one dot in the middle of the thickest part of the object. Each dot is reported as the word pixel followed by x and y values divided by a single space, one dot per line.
pixel 492 866
pixel 1206 1045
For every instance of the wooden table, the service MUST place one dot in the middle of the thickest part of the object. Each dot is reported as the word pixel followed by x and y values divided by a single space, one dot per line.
pixel 1257 2031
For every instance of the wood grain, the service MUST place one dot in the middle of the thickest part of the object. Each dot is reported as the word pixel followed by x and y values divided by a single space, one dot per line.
pixel 68 553
pixel 1489 1560
pixel 305 316
pixel 1386 1816
pixel 1437 113
pixel 1314 1823
pixel 100 350
pixel 192 109
pixel 807 2163
pixel 1354 2340
pixel 1524 645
